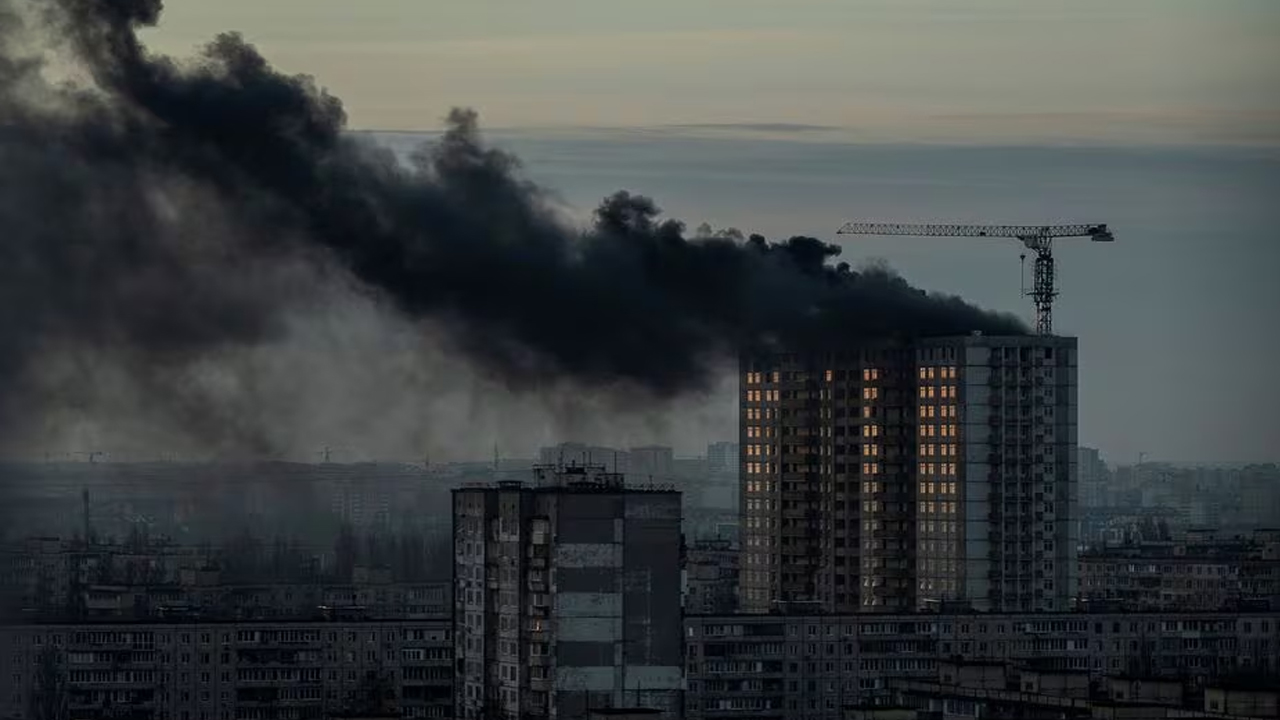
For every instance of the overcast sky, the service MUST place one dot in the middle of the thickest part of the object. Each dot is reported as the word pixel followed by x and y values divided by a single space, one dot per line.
pixel 1133 70
pixel 1176 357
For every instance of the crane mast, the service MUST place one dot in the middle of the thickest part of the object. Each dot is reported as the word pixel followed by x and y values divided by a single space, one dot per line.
pixel 1037 238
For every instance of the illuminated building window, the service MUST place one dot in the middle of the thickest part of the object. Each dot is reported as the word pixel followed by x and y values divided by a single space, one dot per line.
pixel 923 373
pixel 870 374
pixel 774 376
pixel 828 375
pixel 930 375
pixel 870 393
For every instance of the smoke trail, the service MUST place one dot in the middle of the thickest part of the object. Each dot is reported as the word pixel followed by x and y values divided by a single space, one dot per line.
pixel 163 213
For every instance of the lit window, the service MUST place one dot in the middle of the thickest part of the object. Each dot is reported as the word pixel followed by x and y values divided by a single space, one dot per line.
pixel 930 373
pixel 829 375
pixel 923 373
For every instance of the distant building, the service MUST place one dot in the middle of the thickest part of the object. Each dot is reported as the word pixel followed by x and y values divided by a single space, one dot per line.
pixel 571 453
pixel 901 476
pixel 651 462
pixel 567 597
pixel 711 577
pixel 1260 496
pixel 723 457
pixel 1094 479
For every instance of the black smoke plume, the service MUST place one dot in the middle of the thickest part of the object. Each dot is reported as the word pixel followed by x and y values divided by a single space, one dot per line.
pixel 162 212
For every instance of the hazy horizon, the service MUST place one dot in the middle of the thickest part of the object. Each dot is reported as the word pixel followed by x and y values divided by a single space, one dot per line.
pixel 1163 71
pixel 1154 116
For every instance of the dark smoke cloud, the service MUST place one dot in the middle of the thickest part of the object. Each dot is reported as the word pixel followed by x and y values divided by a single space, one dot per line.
pixel 162 213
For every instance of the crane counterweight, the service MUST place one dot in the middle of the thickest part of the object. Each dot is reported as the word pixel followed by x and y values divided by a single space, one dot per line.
pixel 1037 238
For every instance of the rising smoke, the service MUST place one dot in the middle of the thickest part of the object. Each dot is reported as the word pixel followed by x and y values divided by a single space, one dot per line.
pixel 167 224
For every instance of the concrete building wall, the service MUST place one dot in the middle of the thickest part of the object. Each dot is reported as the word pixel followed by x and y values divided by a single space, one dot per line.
pixel 221 670
pixel 592 607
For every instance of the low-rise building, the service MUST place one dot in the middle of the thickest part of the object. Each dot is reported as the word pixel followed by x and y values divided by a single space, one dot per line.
pixel 278 670
pixel 1200 572
pixel 813 667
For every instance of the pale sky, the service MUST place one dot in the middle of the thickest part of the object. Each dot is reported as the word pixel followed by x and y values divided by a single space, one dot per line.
pixel 1163 71
pixel 1191 273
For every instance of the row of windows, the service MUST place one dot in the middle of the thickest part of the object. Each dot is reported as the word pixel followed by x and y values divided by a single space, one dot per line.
pixel 946 372
pixel 947 430
pixel 943 411
pixel 932 449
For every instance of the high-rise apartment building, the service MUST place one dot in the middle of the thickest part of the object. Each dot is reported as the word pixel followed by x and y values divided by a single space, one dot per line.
pixel 567 597
pixel 904 475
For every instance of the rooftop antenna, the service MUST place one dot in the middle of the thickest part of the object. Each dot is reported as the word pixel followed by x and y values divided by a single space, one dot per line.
pixel 326 454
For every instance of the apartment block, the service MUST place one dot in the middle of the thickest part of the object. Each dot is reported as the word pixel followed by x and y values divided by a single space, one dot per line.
pixel 278 670
pixel 814 667
pixel 903 476
pixel 567 596
pixel 711 577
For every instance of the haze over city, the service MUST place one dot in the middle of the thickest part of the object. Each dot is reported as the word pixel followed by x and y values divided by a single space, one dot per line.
pixel 966 115
pixel 701 359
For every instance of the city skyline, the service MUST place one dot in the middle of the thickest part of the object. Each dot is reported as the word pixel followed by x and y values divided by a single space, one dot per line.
pixel 498 361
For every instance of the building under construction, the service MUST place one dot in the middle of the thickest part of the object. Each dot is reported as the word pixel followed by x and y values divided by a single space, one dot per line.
pixel 909 475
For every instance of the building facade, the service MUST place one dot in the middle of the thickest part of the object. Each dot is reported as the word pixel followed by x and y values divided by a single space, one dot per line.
pixel 814 667
pixel 902 476
pixel 277 670
pixel 567 597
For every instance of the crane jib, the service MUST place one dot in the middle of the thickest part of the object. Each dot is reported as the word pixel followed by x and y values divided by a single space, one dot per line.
pixel 1036 237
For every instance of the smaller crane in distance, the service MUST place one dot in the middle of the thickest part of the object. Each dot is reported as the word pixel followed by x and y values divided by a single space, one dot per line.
pixel 1038 238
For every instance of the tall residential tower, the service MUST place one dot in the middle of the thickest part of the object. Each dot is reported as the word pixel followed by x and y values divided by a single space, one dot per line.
pixel 904 475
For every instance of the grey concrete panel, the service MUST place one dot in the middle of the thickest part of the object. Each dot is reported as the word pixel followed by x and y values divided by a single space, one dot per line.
pixel 586 530
pixel 587 580
pixel 579 654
